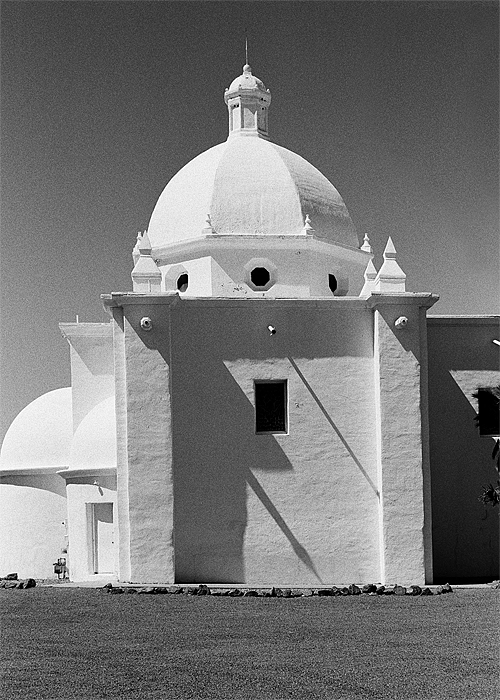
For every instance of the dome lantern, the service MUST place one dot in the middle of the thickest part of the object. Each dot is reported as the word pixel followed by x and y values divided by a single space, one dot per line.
pixel 248 103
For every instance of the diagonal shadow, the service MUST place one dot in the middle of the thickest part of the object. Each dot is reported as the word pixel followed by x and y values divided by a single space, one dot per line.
pixel 328 418
pixel 299 550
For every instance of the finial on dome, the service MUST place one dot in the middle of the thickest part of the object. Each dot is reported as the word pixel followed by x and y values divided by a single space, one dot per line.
pixel 248 103
pixel 144 244
pixel 146 275
pixel 370 277
pixel 308 229
pixel 208 229
pixel 391 277
pixel 390 250
pixel 366 244
pixel 135 251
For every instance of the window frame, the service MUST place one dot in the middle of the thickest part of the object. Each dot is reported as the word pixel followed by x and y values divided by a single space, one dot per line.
pixel 284 383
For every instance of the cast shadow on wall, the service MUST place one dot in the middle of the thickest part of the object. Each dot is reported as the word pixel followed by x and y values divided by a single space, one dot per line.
pixel 464 531
pixel 212 474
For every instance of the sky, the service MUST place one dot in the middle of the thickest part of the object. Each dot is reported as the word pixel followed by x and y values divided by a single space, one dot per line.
pixel 396 103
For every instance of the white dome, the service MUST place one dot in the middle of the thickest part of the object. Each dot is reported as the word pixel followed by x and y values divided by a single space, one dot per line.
pixel 94 443
pixel 249 186
pixel 246 81
pixel 40 436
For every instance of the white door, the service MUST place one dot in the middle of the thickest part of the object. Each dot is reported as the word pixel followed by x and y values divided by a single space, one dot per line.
pixel 103 544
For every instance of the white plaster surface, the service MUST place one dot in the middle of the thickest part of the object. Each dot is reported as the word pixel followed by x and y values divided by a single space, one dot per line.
pixel 80 492
pixel 32 524
pixel 462 357
pixel 145 465
pixel 255 508
pixel 249 186
pixel 400 443
pixel 298 272
pixel 40 435
pixel 92 371
pixel 94 442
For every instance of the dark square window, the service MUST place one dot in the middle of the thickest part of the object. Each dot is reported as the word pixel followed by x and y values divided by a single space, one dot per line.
pixel 270 406
pixel 489 412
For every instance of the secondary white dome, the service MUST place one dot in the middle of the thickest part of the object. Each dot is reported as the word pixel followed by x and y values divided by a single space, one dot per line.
pixel 94 443
pixel 40 436
pixel 249 186
pixel 246 81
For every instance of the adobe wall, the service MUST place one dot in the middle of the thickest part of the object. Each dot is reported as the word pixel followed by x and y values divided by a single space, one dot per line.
pixel 300 508
pixel 92 371
pixel 462 357
pixel 83 491
pixel 33 520
pixel 202 497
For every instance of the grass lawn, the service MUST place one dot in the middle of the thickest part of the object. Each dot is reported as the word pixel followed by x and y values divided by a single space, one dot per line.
pixel 83 643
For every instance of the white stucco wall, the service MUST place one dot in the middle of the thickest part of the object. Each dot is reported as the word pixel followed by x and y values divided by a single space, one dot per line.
pixel 300 269
pixel 144 454
pixel 80 492
pixel 301 508
pixel 462 358
pixel 32 524
pixel 92 371
pixel 402 440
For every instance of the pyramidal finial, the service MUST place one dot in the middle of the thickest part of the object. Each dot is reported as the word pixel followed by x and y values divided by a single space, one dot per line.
pixel 390 250
pixel 366 244
pixel 370 276
pixel 391 277
pixel 146 275
pixel 371 271
pixel 144 244
pixel 135 251
pixel 208 229
pixel 308 229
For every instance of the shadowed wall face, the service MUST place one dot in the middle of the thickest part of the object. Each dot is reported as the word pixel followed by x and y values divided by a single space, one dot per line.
pixel 295 508
pixel 465 532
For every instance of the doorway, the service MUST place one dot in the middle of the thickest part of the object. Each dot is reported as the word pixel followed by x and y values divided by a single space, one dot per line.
pixel 102 538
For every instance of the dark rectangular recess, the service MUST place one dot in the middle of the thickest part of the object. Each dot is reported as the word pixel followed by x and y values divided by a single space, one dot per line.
pixel 488 413
pixel 271 406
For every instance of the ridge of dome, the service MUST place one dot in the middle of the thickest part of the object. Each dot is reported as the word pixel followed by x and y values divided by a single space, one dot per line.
pixel 249 186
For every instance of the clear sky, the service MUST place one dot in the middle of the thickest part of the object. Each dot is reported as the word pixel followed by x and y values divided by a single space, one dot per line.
pixel 103 102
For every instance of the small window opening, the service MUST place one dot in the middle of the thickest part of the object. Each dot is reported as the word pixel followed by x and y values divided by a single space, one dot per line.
pixel 182 282
pixel 260 276
pixel 332 283
pixel 488 418
pixel 270 406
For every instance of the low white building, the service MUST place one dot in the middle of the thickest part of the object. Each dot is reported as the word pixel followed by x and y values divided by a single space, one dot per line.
pixel 258 410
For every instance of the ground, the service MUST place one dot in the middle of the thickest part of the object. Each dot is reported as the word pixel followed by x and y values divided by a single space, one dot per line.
pixel 79 644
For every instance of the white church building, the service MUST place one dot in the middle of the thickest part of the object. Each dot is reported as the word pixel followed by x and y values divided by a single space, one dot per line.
pixel 264 407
